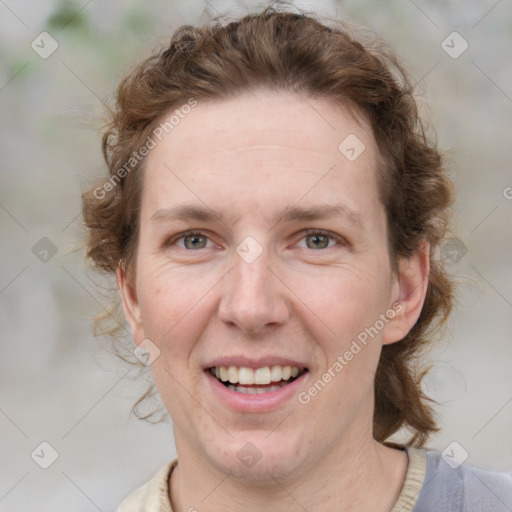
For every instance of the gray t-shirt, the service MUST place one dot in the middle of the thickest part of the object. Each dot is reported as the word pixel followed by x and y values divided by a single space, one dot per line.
pixel 463 488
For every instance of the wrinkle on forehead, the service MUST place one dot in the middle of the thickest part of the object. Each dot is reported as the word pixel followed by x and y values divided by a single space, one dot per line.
pixel 258 147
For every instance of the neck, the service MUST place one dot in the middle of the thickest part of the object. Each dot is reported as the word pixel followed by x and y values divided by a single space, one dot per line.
pixel 359 475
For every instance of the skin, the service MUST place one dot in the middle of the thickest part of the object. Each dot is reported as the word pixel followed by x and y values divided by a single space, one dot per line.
pixel 248 156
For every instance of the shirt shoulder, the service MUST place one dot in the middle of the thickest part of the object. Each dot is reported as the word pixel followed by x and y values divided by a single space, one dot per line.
pixel 452 487
pixel 153 496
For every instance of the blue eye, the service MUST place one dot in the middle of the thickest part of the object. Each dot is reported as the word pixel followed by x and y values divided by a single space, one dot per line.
pixel 195 238
pixel 321 238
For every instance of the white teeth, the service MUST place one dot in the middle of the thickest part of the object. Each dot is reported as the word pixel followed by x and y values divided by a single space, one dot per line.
pixel 245 375
pixel 262 376
pixel 259 376
pixel 275 373
pixel 233 374
pixel 254 391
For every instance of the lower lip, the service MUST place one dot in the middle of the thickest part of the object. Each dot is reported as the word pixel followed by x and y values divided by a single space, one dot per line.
pixel 261 402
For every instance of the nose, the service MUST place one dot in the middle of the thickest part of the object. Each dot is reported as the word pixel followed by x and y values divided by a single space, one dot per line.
pixel 254 296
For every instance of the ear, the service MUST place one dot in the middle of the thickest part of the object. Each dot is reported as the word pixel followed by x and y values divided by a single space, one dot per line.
pixel 130 303
pixel 410 292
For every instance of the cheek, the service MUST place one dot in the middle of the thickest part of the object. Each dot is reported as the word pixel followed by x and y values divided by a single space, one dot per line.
pixel 161 298
pixel 161 311
pixel 348 306
pixel 173 312
pixel 345 301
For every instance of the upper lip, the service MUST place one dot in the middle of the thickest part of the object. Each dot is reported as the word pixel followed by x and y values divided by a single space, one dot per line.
pixel 254 363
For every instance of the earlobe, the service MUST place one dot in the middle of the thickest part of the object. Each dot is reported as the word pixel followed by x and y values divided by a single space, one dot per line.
pixel 412 290
pixel 130 302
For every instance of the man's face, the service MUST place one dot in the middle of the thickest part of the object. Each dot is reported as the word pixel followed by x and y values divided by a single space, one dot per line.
pixel 260 293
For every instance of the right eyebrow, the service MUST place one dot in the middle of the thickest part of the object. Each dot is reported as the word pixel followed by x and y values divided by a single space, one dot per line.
pixel 187 212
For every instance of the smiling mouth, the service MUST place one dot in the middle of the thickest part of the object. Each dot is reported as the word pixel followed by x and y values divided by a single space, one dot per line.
pixel 253 381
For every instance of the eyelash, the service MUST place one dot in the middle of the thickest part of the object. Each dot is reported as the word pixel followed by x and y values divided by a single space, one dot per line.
pixel 339 239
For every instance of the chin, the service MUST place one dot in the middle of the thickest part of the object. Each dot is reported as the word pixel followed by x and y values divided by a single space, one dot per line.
pixel 261 457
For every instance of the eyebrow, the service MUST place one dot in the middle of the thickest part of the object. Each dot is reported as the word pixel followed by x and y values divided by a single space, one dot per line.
pixel 288 214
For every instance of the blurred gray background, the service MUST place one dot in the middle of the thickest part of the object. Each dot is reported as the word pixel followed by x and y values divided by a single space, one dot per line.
pixel 58 387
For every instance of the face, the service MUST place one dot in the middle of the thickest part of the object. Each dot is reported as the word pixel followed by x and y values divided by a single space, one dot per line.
pixel 275 291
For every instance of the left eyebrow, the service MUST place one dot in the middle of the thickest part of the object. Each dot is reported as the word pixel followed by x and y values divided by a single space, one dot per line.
pixel 285 215
pixel 317 212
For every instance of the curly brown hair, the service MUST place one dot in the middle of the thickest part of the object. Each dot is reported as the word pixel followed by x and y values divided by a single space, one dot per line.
pixel 310 56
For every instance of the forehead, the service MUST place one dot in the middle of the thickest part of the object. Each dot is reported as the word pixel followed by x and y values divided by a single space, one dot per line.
pixel 266 117
pixel 260 147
